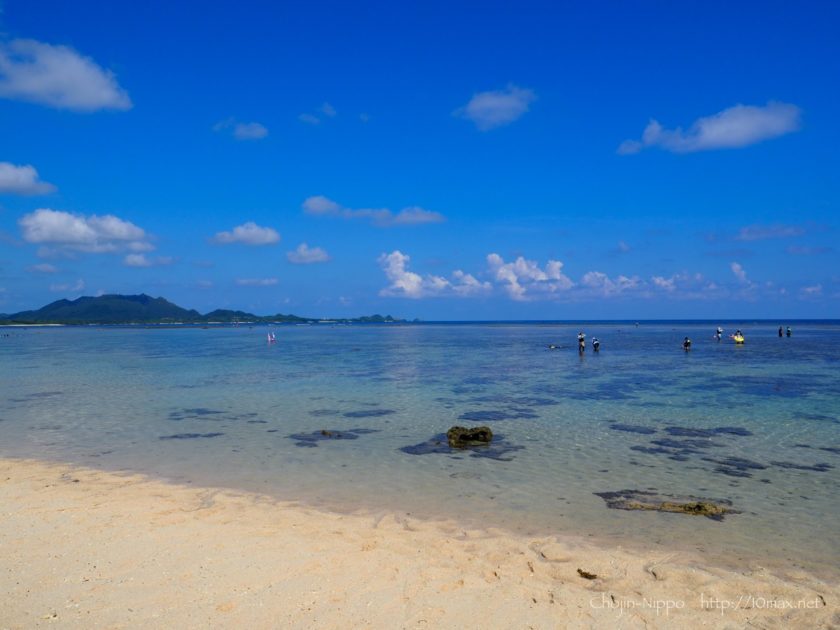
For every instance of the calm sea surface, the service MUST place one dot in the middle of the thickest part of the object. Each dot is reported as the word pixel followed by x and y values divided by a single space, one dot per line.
pixel 757 425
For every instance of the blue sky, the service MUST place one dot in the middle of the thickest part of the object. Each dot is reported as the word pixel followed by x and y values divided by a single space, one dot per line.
pixel 471 160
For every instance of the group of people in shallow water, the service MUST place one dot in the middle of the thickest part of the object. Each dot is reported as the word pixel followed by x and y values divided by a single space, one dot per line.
pixel 738 337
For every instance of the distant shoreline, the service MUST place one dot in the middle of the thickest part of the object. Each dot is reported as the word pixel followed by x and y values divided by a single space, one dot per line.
pixel 396 322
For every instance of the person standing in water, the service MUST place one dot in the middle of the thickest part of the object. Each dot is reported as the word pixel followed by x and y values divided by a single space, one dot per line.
pixel 596 345
pixel 780 331
pixel 789 331
pixel 686 344
pixel 718 333
pixel 581 342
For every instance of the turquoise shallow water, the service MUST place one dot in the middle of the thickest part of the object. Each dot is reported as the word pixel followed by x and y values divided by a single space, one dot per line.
pixel 757 425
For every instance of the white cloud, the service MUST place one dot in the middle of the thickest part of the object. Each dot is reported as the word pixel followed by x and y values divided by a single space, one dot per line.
pixel 75 232
pixel 305 255
pixel 524 279
pixel 739 272
pixel 467 285
pixel 812 291
pixel 77 286
pixel 137 260
pixel 496 108
pixel 204 284
pixel 22 180
pixel 764 232
pixel 667 284
pixel 140 260
pixel 242 131
pixel 309 119
pixel 623 247
pixel 601 284
pixel 405 283
pixel 735 127
pixel 248 234
pixel 320 205
pixel 256 282
pixel 380 217
pixel 43 268
pixel 249 131
pixel 57 76
pixel 416 215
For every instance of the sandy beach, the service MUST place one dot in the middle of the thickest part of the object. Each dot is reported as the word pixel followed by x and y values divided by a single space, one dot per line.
pixel 85 548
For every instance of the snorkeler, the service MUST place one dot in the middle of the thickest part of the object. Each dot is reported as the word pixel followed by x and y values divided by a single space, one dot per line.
pixel 581 342
pixel 596 345
pixel 686 344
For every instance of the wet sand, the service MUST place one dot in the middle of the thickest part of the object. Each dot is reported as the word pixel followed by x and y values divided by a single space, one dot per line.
pixel 84 548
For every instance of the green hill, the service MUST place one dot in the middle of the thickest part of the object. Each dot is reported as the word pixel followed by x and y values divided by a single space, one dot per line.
pixel 107 309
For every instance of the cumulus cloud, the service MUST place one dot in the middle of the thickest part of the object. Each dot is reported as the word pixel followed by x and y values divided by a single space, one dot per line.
pixel 666 284
pixel 497 108
pixel 75 287
pixel 141 260
pixel 405 283
pixel 305 255
pixel 22 180
pixel 739 272
pixel 76 232
pixel 256 282
pixel 600 283
pixel 57 76
pixel 380 217
pixel 732 128
pixel 764 232
pixel 242 131
pixel 524 279
pixel 247 234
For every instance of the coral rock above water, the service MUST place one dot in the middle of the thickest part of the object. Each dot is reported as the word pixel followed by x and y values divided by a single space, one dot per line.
pixel 463 437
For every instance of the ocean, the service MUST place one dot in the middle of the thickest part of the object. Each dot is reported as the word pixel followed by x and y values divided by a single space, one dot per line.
pixel 352 417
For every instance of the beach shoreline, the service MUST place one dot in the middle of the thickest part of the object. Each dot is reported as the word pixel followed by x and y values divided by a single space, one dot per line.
pixel 87 548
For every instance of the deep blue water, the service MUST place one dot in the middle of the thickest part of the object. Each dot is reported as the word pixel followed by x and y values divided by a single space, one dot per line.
pixel 757 425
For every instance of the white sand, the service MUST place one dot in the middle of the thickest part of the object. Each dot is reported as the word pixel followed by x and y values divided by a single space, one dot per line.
pixel 88 549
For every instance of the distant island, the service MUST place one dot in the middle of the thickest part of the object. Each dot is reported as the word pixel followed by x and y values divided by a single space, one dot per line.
pixel 144 309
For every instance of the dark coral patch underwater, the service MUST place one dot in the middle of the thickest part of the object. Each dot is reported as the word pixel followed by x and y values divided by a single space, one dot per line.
pixel 190 436
pixel 498 449
pixel 369 413
pixel 493 415
pixel 632 428
pixel 309 440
